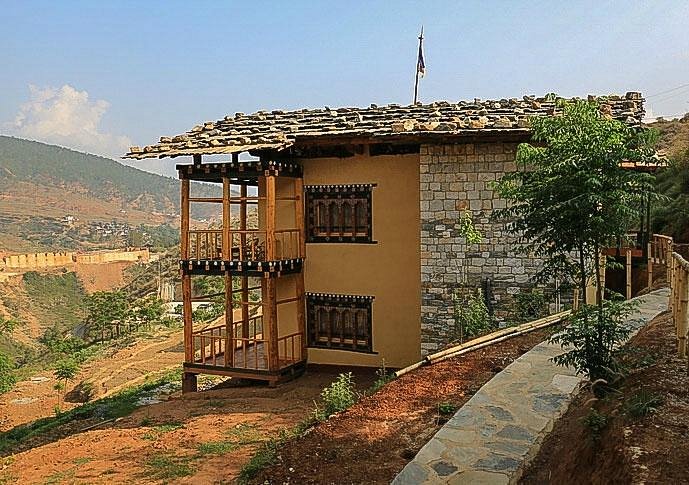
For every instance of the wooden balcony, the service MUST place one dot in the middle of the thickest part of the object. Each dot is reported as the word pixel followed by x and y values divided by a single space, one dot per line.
pixel 250 352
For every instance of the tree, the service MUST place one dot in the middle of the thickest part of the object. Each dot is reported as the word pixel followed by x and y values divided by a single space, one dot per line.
pixel 570 198
pixel 7 365
pixel 106 309
pixel 65 370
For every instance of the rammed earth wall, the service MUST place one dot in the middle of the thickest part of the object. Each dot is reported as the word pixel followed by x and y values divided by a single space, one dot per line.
pixel 457 178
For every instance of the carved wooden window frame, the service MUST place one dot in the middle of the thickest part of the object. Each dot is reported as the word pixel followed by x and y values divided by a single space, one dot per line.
pixel 339 322
pixel 339 213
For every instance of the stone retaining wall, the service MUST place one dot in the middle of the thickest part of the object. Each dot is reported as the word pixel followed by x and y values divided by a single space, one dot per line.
pixel 495 435
pixel 454 179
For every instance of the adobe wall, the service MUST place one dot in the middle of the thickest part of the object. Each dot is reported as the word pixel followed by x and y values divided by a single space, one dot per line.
pixel 59 259
pixel 455 178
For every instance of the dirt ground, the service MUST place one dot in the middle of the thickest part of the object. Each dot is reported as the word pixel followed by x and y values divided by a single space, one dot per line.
pixel 630 449
pixel 373 440
pixel 102 276
pixel 35 398
pixel 177 431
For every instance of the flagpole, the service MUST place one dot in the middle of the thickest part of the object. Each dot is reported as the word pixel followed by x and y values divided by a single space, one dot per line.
pixel 416 80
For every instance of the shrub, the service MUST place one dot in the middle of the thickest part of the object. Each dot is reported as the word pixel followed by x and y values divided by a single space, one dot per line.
pixel 337 397
pixel 593 334
pixel 471 315
pixel 530 306
pixel 7 375
pixel 596 423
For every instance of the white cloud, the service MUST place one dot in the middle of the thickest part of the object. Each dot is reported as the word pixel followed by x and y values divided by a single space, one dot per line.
pixel 66 116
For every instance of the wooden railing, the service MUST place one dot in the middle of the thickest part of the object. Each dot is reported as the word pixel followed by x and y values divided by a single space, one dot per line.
pixel 249 351
pixel 289 349
pixel 247 245
pixel 204 244
pixel 659 253
pixel 679 300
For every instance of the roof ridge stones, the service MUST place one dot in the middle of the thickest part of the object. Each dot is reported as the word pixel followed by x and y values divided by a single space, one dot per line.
pixel 278 129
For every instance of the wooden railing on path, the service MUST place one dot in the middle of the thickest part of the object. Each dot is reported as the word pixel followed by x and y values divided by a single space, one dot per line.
pixel 679 300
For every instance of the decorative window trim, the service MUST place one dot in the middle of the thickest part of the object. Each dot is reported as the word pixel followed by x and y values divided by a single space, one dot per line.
pixel 316 194
pixel 358 308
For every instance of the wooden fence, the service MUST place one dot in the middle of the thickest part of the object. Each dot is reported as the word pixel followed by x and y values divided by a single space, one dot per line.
pixel 679 300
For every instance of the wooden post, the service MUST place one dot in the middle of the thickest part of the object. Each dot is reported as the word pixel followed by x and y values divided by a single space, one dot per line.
pixel 629 273
pixel 299 284
pixel 184 223
pixel 575 300
pixel 229 321
pixel 270 328
pixel 649 265
pixel 270 217
pixel 244 295
pixel 226 219
pixel 188 328
pixel 682 311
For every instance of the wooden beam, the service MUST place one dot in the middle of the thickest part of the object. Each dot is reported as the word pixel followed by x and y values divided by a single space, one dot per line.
pixel 270 217
pixel 188 324
pixel 229 322
pixel 184 223
pixel 270 324
pixel 242 247
pixel 226 219
pixel 299 277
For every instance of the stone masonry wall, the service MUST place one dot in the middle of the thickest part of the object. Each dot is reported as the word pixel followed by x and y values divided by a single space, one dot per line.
pixel 457 178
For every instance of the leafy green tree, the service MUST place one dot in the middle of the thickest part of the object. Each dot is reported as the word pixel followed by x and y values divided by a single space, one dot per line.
pixel 570 198
pixel 65 370
pixel 106 311
pixel 7 365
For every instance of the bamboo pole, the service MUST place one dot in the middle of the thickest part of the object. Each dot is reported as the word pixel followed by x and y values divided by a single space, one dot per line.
pixel 683 312
pixel 629 273
pixel 484 341
pixel 649 265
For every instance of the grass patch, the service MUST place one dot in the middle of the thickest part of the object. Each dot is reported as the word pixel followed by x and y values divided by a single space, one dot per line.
pixel 164 466
pixel 264 457
pixel 82 461
pixel 643 403
pixel 216 447
pixel 59 477
pixel 245 434
pixel 116 406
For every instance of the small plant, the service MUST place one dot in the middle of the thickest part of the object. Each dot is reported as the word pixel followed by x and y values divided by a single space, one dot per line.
pixel 593 333
pixel 596 423
pixel 337 397
pixel 468 230
pixel 471 315
pixel 643 403
pixel 382 377
pixel 447 408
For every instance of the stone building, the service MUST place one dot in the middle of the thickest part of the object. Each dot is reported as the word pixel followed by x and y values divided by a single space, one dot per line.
pixel 378 196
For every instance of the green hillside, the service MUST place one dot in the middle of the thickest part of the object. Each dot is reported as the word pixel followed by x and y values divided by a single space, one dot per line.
pixel 49 165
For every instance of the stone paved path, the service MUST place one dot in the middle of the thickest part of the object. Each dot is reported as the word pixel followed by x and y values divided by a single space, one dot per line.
pixel 499 430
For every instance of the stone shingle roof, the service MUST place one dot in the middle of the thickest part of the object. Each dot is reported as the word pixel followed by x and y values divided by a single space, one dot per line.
pixel 280 129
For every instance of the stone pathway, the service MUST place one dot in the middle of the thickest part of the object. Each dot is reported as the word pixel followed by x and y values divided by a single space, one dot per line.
pixel 500 429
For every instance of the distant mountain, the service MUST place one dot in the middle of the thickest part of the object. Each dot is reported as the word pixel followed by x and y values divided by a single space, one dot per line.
pixel 51 170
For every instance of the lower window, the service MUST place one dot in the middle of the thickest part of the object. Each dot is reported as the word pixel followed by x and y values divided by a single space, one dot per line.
pixel 339 321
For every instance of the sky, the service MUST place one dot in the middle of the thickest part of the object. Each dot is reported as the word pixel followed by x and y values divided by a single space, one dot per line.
pixel 101 76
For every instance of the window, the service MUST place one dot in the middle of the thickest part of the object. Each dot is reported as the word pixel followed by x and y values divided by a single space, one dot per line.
pixel 338 213
pixel 339 321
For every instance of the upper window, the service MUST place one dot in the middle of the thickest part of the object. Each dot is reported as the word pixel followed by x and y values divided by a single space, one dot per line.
pixel 338 213
pixel 339 321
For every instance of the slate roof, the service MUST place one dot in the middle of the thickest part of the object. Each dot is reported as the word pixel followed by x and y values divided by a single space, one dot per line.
pixel 280 129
